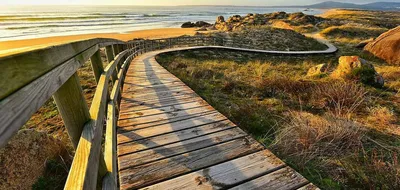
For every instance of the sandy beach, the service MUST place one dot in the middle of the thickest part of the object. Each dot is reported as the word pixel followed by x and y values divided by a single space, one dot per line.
pixel 17 46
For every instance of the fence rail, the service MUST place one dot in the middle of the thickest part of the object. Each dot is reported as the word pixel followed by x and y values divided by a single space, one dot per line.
pixel 29 79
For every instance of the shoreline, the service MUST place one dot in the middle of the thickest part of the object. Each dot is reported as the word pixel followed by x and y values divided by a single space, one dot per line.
pixel 17 46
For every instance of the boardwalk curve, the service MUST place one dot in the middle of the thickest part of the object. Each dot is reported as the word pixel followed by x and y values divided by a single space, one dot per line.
pixel 170 138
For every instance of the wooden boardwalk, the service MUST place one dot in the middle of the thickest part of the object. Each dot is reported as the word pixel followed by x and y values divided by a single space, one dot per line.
pixel 170 138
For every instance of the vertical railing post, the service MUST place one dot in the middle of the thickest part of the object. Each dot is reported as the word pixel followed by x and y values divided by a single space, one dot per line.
pixel 97 65
pixel 72 107
pixel 109 53
pixel 115 49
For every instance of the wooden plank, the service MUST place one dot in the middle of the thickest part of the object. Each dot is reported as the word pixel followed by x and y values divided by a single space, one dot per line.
pixel 225 175
pixel 131 104
pixel 157 141
pixel 164 116
pixel 212 121
pixel 156 90
pixel 165 109
pixel 16 109
pixel 73 107
pixel 285 178
pixel 147 174
pixel 110 144
pixel 181 147
pixel 159 95
pixel 161 122
pixel 21 69
pixel 140 86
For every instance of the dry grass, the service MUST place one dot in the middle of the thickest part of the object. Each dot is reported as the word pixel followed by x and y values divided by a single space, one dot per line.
pixel 340 98
pixel 381 117
pixel 306 137
pixel 352 33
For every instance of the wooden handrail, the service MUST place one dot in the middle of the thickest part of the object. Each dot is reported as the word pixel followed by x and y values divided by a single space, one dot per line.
pixel 29 79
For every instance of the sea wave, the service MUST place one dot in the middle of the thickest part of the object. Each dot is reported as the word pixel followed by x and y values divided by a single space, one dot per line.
pixel 61 25
pixel 155 15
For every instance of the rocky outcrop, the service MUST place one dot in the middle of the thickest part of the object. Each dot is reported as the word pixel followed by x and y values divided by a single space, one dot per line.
pixel 196 24
pixel 387 46
pixel 238 22
pixel 317 70
pixel 355 68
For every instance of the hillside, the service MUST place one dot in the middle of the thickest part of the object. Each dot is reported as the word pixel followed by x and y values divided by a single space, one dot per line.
pixel 372 6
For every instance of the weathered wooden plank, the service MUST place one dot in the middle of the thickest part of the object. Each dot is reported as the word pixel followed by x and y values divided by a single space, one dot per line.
pixel 156 90
pixel 73 108
pixel 26 67
pixel 161 122
pixel 285 178
pixel 163 116
pixel 147 174
pixel 32 96
pixel 162 110
pixel 225 175
pixel 110 144
pixel 131 104
pixel 159 95
pixel 213 121
pixel 181 147
pixel 140 86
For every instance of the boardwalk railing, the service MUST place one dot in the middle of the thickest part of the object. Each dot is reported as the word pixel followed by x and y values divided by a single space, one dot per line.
pixel 29 79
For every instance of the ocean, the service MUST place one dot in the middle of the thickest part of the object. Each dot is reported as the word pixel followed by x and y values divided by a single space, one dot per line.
pixel 27 22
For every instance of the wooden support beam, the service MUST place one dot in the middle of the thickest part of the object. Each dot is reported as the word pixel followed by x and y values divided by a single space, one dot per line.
pixel 97 65
pixel 115 50
pixel 73 108
pixel 109 53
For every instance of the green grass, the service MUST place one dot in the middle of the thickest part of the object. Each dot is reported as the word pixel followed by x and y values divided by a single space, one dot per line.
pixel 260 93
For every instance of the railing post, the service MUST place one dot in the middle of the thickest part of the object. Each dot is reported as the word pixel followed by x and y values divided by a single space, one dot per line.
pixel 109 53
pixel 97 65
pixel 115 49
pixel 73 108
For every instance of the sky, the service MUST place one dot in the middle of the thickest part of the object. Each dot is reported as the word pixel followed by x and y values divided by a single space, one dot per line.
pixel 176 2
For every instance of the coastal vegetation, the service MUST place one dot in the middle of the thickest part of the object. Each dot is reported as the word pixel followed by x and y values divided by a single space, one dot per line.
pixel 339 132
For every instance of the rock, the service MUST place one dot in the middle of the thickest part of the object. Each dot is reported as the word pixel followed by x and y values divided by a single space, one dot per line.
pixel 197 24
pixel 386 46
pixel 202 24
pixel 317 70
pixel 188 25
pixel 220 19
pixel 234 18
pixel 363 43
pixel 355 68
pixel 202 29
